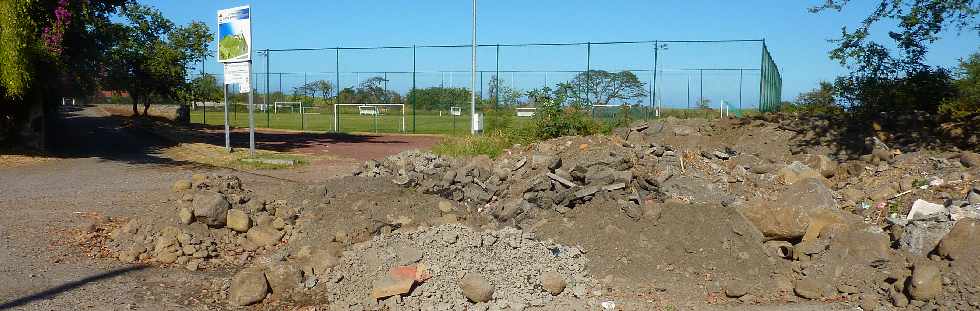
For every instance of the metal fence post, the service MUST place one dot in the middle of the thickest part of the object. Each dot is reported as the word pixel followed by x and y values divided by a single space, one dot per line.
pixel 337 99
pixel 414 92
pixel 496 75
pixel 588 76
pixel 268 118
pixel 653 86
pixel 762 78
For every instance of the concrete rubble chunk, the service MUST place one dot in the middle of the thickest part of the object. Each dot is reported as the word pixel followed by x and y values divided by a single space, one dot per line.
pixel 922 208
pixel 563 181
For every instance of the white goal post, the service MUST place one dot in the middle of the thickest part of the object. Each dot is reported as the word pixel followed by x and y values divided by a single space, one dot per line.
pixel 362 108
pixel 277 105
pixel 67 101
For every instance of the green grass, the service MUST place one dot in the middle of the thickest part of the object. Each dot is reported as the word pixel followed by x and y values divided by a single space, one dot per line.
pixel 425 122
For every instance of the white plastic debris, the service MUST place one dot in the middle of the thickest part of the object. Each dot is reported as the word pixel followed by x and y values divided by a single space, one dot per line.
pixel 608 305
pixel 937 182
pixel 922 208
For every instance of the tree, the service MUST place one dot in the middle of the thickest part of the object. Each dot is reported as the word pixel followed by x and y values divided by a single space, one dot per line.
pixel 919 24
pixel 967 101
pixel 819 100
pixel 50 49
pixel 323 87
pixel 151 56
pixel 440 98
pixel 599 87
pixel 205 88
pixel 507 95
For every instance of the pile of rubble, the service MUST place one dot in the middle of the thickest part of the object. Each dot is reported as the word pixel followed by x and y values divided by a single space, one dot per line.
pixel 216 220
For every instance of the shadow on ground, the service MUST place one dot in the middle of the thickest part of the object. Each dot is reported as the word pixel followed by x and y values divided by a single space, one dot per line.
pixel 54 291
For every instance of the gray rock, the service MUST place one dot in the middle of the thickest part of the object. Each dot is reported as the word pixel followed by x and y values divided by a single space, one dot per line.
pixel 476 288
pixel 210 208
pixel 898 299
pixel 735 289
pixel 248 287
pixel 445 206
pixel 921 236
pixel 798 171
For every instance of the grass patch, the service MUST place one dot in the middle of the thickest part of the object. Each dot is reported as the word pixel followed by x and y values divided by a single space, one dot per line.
pixel 459 146
pixel 238 159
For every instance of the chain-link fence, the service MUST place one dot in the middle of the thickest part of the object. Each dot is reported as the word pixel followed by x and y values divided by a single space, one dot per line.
pixel 426 88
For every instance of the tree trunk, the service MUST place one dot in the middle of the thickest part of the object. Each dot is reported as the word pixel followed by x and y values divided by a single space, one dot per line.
pixel 146 108
pixel 135 99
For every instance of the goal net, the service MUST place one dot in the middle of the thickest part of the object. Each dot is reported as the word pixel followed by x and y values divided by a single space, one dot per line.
pixel 377 118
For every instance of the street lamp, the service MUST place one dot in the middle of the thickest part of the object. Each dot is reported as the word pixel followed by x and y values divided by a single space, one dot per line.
pixel 474 122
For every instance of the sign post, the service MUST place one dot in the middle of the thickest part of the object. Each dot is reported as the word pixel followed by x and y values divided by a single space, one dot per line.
pixel 235 52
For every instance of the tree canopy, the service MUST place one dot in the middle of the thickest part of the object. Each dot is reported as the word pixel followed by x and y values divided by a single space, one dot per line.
pixel 600 87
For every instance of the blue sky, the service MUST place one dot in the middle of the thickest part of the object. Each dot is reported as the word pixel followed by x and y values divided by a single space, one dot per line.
pixel 796 38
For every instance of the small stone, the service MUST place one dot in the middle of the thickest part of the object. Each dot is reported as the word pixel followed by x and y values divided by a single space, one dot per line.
pixel 898 299
pixel 248 287
pixel 869 302
pixel 238 220
pixel 193 265
pixel 445 206
pixel 476 288
pixel 185 216
pixel 279 223
pixel 553 282
pixel 736 289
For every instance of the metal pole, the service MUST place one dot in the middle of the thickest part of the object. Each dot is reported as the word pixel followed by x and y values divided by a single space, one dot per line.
pixel 268 118
pixel 588 75
pixel 337 100
pixel 473 120
pixel 688 95
pixel 204 103
pixel 274 106
pixel 762 77
pixel 701 89
pixel 496 74
pixel 302 117
pixel 413 90
pixel 653 88
pixel 251 114
pixel 227 129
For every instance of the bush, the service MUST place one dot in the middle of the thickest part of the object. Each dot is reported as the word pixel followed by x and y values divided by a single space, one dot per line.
pixel 967 102
pixel 551 120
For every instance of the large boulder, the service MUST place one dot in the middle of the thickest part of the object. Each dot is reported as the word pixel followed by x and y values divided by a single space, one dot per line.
pixel 211 208
pixel 247 287
pixel 789 217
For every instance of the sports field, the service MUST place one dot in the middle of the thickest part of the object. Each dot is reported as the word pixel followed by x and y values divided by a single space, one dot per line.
pixel 423 122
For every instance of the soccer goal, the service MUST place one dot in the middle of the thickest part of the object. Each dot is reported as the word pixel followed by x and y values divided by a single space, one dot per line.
pixel 285 105
pixel 367 113
pixel 67 101
pixel 455 111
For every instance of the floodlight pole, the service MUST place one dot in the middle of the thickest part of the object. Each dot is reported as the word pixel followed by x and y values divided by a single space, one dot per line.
pixel 268 118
